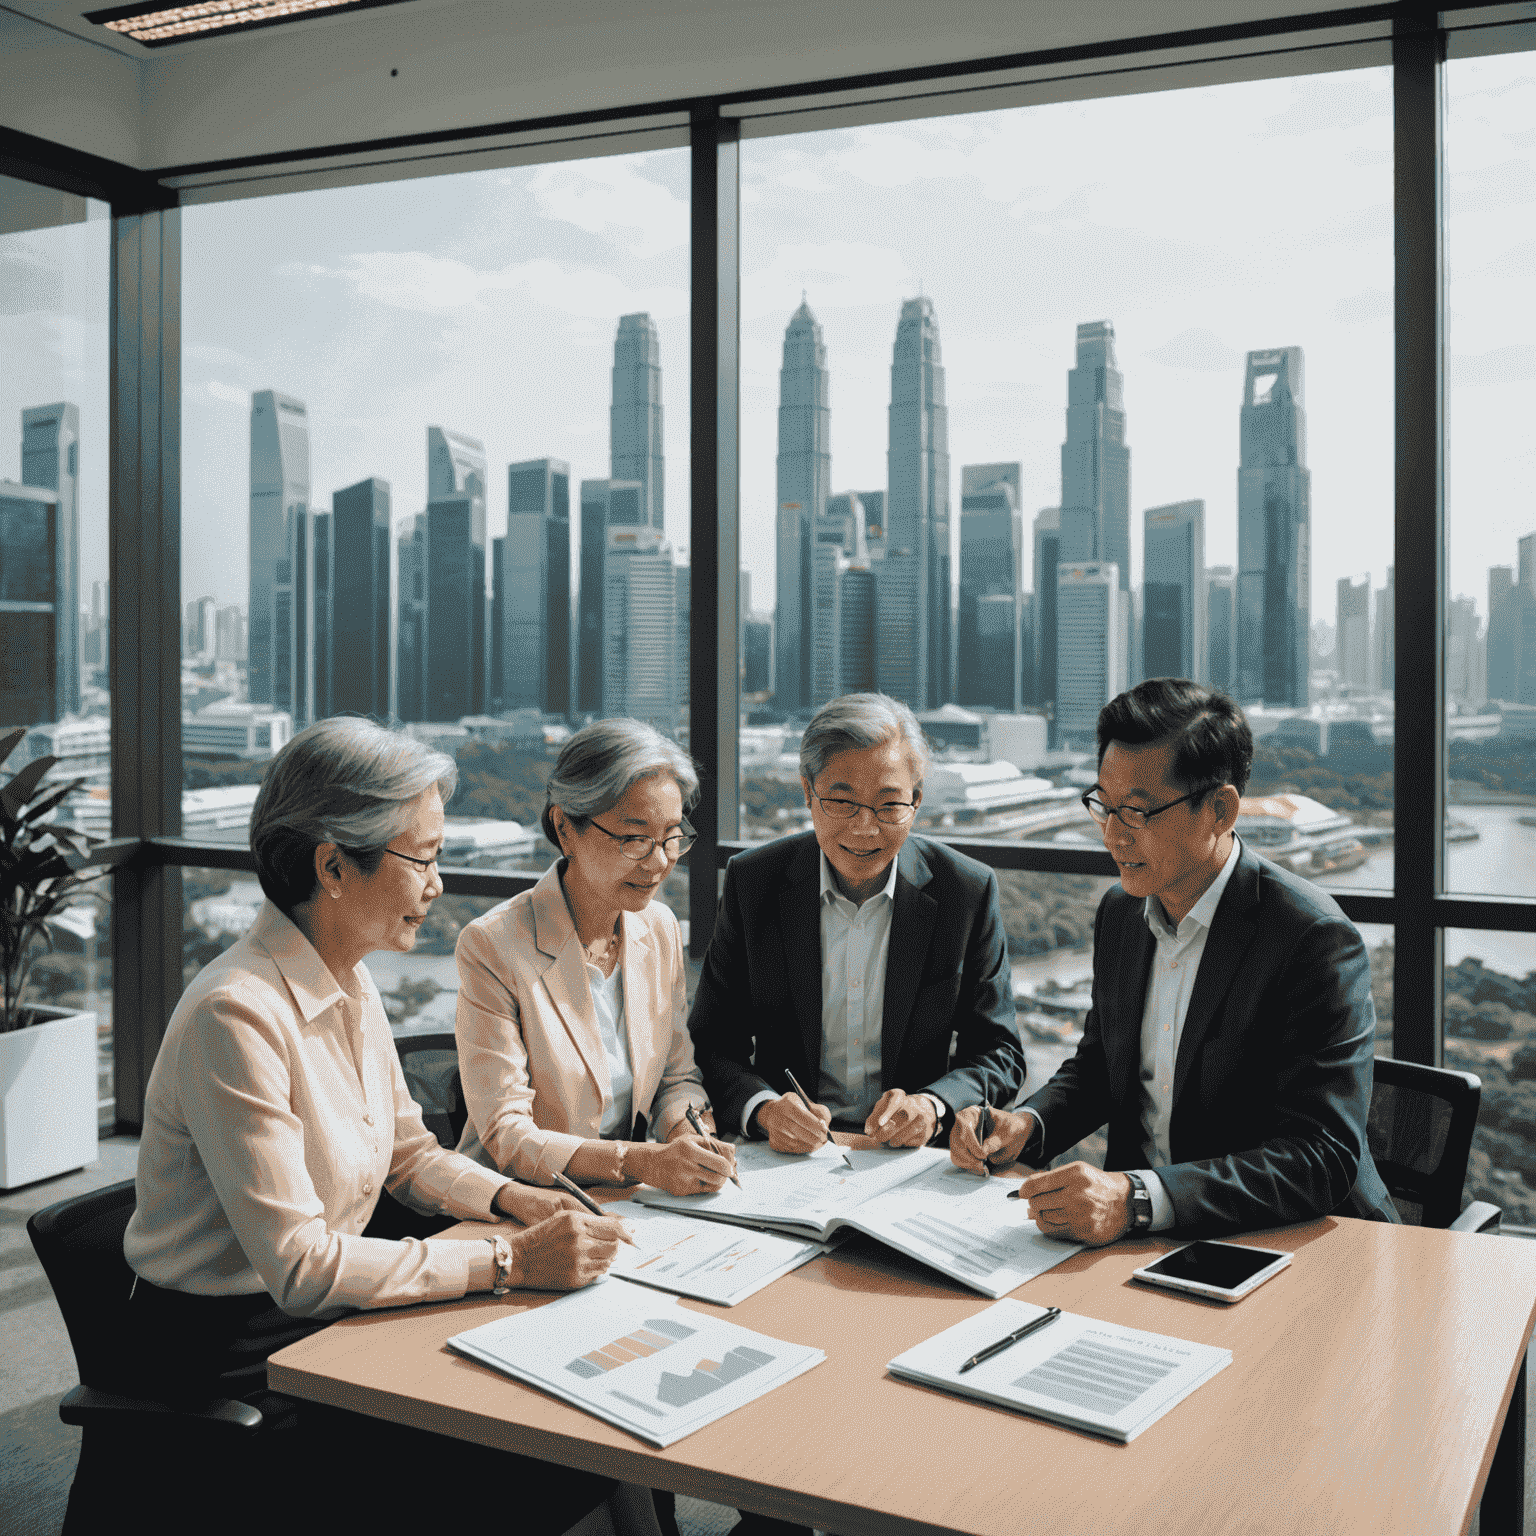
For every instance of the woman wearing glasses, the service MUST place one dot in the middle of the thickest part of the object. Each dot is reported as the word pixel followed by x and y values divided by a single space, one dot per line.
pixel 572 1021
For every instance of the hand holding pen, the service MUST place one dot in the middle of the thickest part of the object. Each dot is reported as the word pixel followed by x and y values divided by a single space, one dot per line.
pixel 811 1109
pixel 699 1129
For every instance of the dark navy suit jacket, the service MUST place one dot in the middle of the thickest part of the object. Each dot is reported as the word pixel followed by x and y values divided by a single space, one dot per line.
pixel 758 1007
pixel 1272 1082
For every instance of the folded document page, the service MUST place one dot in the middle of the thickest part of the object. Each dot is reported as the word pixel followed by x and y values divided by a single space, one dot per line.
pixel 1100 1377
pixel 637 1359
pixel 709 1260
pixel 915 1201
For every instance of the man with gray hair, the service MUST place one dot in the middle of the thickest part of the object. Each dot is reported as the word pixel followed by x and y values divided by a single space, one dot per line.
pixel 851 956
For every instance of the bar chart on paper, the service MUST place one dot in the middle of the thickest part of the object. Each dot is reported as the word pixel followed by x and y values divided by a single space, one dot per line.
pixel 637 1359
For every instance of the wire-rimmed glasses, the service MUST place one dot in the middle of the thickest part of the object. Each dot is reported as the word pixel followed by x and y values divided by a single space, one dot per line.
pixel 637 847
pixel 894 813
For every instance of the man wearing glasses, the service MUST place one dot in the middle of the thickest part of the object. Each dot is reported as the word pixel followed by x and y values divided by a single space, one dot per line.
pixel 853 954
pixel 1230 1042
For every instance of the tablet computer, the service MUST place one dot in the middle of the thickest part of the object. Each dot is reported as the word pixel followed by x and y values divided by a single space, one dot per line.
pixel 1218 1271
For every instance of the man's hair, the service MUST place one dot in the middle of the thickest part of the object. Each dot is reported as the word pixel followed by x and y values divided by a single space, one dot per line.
pixel 857 721
pixel 1209 734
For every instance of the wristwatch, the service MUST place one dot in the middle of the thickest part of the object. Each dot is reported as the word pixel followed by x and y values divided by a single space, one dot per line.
pixel 1141 1204
pixel 502 1250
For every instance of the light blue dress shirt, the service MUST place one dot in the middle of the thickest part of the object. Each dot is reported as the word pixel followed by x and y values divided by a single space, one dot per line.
pixel 608 1003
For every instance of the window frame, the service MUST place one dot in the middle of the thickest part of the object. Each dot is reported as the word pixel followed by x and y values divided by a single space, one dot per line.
pixel 147 853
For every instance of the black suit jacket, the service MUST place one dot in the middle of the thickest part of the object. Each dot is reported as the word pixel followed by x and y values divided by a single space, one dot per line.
pixel 1272 1082
pixel 947 974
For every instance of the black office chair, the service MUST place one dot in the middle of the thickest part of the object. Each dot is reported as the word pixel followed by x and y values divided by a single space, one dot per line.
pixel 80 1245
pixel 1420 1132
pixel 431 1067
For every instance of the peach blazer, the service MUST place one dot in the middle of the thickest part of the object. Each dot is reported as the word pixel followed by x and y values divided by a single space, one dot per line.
pixel 530 1054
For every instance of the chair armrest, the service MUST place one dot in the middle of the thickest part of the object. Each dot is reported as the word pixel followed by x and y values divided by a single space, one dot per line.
pixel 1480 1216
pixel 87 1405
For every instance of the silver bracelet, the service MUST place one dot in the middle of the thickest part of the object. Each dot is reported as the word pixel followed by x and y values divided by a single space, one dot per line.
pixel 618 1173
pixel 502 1250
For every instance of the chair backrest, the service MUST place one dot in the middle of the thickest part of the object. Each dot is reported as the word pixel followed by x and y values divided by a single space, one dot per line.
pixel 1420 1132
pixel 79 1243
pixel 431 1067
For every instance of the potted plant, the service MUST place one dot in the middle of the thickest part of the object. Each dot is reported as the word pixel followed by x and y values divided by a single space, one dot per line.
pixel 47 1055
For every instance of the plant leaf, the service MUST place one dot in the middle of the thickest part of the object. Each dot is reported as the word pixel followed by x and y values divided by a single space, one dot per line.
pixel 9 740
pixel 18 792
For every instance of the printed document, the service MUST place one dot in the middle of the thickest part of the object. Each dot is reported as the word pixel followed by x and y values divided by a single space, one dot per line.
pixel 637 1359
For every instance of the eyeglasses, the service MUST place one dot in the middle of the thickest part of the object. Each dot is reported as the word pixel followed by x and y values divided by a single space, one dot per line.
pixel 637 846
pixel 422 864
pixel 893 813
pixel 1132 816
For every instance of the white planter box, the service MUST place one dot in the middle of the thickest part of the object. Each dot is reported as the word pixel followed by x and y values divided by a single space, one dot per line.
pixel 47 1098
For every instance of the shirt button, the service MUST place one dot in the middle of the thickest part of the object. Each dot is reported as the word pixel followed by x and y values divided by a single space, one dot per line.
pixel 1166 1028
pixel 367 1119
pixel 367 1189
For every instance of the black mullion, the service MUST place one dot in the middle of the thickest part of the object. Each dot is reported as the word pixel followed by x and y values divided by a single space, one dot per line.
pixel 1418 51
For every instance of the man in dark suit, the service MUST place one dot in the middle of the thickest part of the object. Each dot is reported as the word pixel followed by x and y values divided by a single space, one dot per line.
pixel 852 955
pixel 1230 1043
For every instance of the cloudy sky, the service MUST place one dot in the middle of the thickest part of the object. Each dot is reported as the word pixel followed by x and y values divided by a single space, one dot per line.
pixel 1202 224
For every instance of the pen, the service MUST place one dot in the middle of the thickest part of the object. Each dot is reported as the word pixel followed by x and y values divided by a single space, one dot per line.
pixel 983 1130
pixel 800 1092
pixel 580 1194
pixel 699 1130
pixel 1051 1314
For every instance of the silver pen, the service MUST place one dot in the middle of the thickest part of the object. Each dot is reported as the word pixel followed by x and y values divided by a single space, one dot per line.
pixel 800 1092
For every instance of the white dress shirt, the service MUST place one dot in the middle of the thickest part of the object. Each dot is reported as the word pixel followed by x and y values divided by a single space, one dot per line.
pixel 855 945
pixel 276 1115
pixel 1169 987
pixel 608 1003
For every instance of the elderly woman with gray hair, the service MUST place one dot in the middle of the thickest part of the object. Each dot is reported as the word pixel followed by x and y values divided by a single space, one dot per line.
pixel 277 1117
pixel 572 1018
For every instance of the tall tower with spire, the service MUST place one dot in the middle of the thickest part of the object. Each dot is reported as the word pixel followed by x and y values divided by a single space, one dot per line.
pixel 634 441
pixel 917 514
pixel 1095 458
pixel 804 483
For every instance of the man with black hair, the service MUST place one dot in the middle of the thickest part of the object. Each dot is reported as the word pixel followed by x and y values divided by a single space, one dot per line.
pixel 1230 1042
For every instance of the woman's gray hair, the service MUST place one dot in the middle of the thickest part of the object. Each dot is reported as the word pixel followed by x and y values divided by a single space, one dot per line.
pixel 858 721
pixel 345 781
pixel 599 763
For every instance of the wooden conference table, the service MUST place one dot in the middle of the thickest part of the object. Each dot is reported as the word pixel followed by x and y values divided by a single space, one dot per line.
pixel 1367 1391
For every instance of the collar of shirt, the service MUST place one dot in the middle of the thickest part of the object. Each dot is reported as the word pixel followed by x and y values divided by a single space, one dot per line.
pixel 313 987
pixel 829 886
pixel 1202 913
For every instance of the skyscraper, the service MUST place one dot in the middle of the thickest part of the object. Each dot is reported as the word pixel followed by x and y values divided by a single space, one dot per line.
pixel 456 646
pixel 1047 558
pixel 1218 617
pixel 991 567
pixel 1352 630
pixel 50 460
pixel 640 626
pixel 31 690
pixel 897 630
pixel 634 443
pixel 325 616
pixel 594 536
pixel 361 649
pixel 1465 676
pixel 533 589
pixel 873 503
pixel 281 615
pixel 917 505
pixel 1090 648
pixel 1095 459
pixel 858 665
pixel 1503 635
pixel 1274 532
pixel 1173 592
pixel 804 483
pixel 411 619
pixel 1384 634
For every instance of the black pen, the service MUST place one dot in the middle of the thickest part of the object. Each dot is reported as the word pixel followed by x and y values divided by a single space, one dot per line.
pixel 983 1130
pixel 1051 1314
pixel 801 1093
pixel 699 1130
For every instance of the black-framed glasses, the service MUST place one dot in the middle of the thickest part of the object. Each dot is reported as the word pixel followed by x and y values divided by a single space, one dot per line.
pixel 1133 816
pixel 422 864
pixel 637 846
pixel 894 813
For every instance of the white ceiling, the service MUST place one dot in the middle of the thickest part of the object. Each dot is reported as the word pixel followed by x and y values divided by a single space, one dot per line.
pixel 460 63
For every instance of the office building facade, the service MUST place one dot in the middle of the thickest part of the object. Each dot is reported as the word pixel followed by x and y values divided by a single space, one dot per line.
pixel 1047 545
pixel 362 639
pixel 635 421
pixel 1091 625
pixel 917 505
pixel 325 619
pixel 1384 635
pixel 589 603
pixel 1274 532
pixel 281 614
pixel 640 627
pixel 1352 631
pixel 1173 593
pixel 1095 458
pixel 804 481
pixel 1220 599
pixel 50 461
pixel 456 648
pixel 31 690
pixel 531 645
pixel 411 618
pixel 991 568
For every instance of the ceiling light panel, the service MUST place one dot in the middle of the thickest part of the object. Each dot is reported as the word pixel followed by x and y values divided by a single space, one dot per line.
pixel 157 26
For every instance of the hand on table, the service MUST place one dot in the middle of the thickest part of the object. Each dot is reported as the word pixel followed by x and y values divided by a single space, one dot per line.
pixel 1009 1134
pixel 685 1165
pixel 791 1127
pixel 531 1205
pixel 566 1252
pixel 902 1119
pixel 1079 1202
